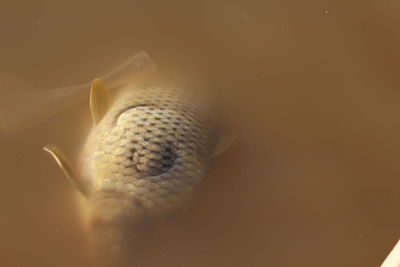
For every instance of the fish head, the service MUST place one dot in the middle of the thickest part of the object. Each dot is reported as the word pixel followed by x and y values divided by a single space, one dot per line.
pixel 115 224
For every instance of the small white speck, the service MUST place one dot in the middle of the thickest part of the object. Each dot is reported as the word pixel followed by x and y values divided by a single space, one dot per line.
pixel 360 234
pixel 245 16
pixel 326 12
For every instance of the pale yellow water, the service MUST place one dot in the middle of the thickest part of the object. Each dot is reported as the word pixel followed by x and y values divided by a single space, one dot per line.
pixel 314 177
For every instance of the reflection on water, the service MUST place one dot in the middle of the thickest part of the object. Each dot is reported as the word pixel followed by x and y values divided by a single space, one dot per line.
pixel 313 177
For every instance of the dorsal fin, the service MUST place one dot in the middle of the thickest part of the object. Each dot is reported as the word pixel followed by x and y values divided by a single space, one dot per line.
pixel 99 100
pixel 65 166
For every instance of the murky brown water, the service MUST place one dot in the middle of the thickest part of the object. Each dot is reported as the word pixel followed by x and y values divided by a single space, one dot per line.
pixel 313 179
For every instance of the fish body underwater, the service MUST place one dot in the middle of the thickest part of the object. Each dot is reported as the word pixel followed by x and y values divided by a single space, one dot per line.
pixel 144 158
pixel 152 147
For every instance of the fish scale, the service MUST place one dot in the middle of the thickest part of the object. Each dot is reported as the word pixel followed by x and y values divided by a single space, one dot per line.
pixel 153 145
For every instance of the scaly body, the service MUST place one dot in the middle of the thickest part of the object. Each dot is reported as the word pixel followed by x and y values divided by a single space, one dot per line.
pixel 145 156
pixel 151 148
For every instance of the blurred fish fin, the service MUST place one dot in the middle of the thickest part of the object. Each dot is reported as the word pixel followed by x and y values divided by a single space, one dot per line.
pixel 22 106
pixel 65 166
pixel 224 143
pixel 99 100
pixel 20 110
pixel 135 69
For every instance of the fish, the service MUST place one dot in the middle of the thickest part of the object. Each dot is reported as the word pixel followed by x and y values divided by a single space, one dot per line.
pixel 146 156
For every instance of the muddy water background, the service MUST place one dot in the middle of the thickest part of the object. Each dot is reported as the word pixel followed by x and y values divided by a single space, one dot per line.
pixel 313 179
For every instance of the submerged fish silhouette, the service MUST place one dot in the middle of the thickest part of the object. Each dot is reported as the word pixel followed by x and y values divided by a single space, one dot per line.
pixel 145 156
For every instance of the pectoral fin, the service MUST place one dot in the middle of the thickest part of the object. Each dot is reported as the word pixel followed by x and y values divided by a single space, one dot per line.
pixel 65 166
pixel 224 143
pixel 99 100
